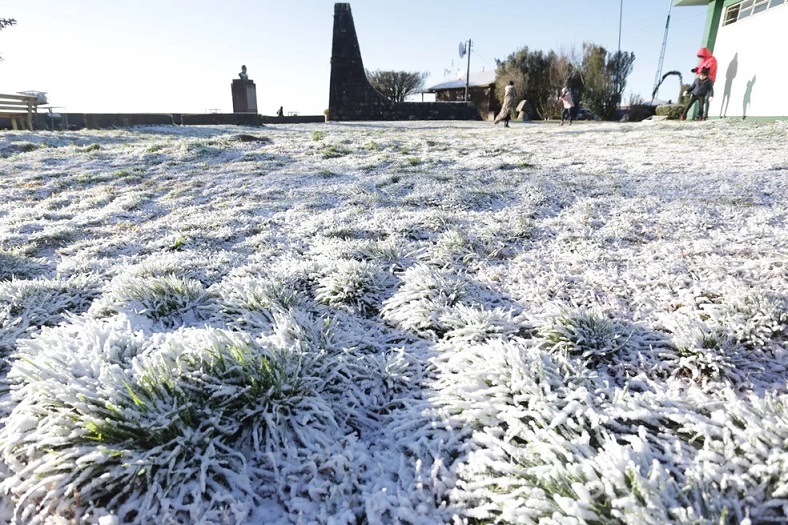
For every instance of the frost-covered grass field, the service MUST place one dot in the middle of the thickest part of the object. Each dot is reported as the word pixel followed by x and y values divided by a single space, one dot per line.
pixel 416 323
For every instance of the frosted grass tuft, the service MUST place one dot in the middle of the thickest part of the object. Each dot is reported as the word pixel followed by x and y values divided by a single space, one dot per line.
pixel 170 300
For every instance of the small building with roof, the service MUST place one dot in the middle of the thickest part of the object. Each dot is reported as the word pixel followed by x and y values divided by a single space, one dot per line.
pixel 481 91
pixel 749 40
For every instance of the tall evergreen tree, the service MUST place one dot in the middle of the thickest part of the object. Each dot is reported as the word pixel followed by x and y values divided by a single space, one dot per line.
pixel 604 78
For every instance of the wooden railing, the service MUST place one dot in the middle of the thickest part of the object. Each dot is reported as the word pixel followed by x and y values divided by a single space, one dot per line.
pixel 21 107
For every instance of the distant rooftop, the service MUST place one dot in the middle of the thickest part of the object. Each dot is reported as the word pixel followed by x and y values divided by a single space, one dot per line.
pixel 477 79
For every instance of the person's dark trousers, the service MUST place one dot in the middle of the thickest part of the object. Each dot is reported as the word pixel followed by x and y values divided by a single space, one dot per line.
pixel 708 103
pixel 701 99
pixel 566 114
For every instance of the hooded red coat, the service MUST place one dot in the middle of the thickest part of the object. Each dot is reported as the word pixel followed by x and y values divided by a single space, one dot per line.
pixel 706 59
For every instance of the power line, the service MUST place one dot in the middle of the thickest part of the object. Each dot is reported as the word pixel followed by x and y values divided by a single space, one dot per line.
pixel 477 55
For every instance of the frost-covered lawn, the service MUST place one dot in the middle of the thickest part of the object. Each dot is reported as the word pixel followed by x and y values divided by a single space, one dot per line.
pixel 417 323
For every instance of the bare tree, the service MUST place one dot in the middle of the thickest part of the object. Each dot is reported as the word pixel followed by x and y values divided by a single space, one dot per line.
pixel 397 85
pixel 5 22
pixel 561 68
pixel 565 71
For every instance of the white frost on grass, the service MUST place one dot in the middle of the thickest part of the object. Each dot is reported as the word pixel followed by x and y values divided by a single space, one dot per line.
pixel 417 323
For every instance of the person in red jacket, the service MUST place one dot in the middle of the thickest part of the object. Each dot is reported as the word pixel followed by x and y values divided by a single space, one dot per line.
pixel 706 61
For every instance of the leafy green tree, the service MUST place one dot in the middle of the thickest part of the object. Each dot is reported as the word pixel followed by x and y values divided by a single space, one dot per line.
pixel 539 77
pixel 596 78
pixel 397 85
pixel 530 72
pixel 604 78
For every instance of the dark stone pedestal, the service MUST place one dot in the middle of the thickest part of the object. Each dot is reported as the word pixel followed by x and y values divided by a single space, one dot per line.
pixel 244 96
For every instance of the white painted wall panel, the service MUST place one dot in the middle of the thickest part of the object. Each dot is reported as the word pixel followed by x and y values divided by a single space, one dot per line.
pixel 752 75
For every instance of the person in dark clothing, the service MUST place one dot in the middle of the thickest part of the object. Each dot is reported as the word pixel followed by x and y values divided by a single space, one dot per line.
pixel 701 88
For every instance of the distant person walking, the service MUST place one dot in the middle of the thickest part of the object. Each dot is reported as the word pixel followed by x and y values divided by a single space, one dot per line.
pixel 280 112
pixel 706 61
pixel 700 89
pixel 508 105
pixel 566 99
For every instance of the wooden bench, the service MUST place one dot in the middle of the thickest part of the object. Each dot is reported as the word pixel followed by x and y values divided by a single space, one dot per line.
pixel 19 107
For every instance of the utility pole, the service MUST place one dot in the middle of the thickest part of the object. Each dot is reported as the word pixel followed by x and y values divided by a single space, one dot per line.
pixel 618 54
pixel 468 71
pixel 620 19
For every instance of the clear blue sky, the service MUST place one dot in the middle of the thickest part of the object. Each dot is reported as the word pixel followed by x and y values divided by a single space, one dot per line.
pixel 181 55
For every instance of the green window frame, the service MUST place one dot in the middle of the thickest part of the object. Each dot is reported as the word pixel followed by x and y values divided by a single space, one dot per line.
pixel 747 8
pixel 731 14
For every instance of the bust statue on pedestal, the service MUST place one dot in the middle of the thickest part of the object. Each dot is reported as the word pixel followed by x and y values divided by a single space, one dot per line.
pixel 244 93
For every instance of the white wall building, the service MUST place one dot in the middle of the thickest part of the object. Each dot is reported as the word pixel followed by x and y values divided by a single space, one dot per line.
pixel 749 39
